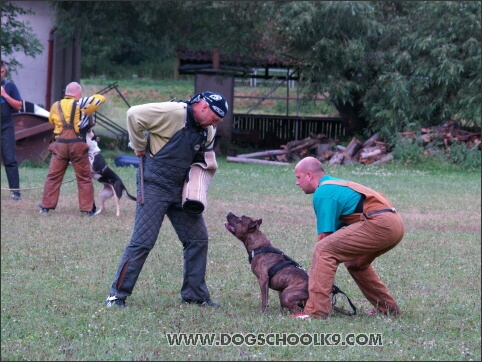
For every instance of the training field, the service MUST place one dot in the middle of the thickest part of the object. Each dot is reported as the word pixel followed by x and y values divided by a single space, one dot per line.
pixel 57 269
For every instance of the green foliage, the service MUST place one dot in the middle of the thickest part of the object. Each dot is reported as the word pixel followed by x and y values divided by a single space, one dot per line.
pixel 398 66
pixel 409 152
pixel 387 66
pixel 469 159
pixel 106 43
pixel 17 36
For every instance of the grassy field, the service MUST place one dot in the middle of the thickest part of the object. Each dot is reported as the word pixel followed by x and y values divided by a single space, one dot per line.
pixel 56 270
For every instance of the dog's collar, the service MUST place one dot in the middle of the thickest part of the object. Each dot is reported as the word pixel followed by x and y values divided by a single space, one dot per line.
pixel 264 249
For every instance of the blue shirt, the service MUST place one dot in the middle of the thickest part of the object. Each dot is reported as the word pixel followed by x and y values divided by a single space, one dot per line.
pixel 13 92
pixel 332 201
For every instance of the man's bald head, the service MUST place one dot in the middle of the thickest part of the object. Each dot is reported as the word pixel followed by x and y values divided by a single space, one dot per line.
pixel 73 89
pixel 308 172
pixel 310 164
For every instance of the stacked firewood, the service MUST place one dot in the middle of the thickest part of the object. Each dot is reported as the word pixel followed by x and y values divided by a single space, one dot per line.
pixel 445 135
pixel 372 151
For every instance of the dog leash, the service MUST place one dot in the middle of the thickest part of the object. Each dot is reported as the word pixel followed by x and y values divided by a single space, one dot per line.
pixel 334 292
pixel 33 188
pixel 141 175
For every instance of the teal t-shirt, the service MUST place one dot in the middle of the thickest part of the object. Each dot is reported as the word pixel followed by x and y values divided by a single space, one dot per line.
pixel 332 201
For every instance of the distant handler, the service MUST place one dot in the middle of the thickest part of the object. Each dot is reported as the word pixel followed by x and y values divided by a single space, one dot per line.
pixel 11 103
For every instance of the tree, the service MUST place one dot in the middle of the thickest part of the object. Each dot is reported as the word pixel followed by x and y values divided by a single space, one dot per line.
pixel 17 36
pixel 154 30
pixel 389 66
pixel 117 32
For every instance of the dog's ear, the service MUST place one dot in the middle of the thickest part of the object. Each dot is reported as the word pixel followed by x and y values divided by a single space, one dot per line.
pixel 253 225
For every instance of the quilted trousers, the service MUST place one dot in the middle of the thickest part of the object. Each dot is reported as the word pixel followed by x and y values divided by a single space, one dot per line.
pixel 192 232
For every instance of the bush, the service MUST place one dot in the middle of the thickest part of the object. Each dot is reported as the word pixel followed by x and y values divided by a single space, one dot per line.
pixel 458 153
pixel 409 152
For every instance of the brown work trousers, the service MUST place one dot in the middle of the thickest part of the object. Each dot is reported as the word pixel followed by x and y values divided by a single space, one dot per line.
pixel 357 246
pixel 62 154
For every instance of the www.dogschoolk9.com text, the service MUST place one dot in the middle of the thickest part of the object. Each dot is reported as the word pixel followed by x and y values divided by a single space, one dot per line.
pixel 275 339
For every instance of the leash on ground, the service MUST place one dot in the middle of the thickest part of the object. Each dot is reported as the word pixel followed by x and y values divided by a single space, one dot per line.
pixel 334 292
pixel 32 188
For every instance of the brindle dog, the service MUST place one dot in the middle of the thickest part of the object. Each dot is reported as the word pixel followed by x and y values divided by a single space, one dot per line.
pixel 272 268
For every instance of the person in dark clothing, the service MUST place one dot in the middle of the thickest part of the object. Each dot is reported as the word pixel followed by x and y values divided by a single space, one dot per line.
pixel 169 138
pixel 11 103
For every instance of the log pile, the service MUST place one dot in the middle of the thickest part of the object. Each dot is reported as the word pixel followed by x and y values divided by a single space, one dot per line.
pixel 371 152
pixel 445 135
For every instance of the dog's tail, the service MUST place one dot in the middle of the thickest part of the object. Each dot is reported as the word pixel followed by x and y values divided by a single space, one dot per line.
pixel 120 188
pixel 129 195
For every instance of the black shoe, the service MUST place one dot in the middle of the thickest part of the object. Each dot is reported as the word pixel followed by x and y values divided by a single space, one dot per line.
pixel 113 301
pixel 16 195
pixel 206 303
pixel 90 213
pixel 43 210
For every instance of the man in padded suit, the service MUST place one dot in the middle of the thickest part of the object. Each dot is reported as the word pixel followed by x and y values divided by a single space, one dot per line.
pixel 169 137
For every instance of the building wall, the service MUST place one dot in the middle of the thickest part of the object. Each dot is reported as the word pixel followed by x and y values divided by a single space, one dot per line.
pixel 33 80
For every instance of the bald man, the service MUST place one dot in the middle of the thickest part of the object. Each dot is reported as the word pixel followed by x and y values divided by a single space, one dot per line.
pixel 70 117
pixel 355 225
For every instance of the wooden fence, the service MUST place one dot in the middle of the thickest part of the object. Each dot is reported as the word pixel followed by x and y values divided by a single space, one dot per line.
pixel 272 131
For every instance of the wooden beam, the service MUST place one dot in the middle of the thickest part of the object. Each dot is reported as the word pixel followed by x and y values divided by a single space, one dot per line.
pixel 254 160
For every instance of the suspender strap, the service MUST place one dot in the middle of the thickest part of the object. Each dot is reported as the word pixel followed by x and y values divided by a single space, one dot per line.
pixel 66 125
pixel 72 115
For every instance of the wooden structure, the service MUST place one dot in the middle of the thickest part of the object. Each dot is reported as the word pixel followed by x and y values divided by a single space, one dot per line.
pixel 33 134
pixel 271 131
pixel 217 71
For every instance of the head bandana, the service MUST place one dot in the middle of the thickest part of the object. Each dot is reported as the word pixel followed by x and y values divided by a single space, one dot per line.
pixel 216 102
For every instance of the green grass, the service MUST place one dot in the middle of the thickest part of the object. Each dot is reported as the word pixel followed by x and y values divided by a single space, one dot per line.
pixel 57 269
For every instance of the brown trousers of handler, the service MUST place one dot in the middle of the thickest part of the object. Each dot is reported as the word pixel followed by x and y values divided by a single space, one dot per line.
pixel 357 246
pixel 69 148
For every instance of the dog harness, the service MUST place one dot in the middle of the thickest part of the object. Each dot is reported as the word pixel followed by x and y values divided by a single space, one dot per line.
pixel 287 262
pixel 278 266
